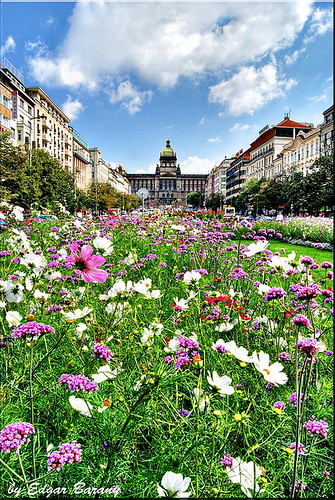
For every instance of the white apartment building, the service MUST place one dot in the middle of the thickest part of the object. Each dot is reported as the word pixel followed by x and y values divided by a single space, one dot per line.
pixel 269 144
pixel 51 128
pixel 327 132
pixel 298 155
pixel 82 162
pixel 119 180
pixel 16 107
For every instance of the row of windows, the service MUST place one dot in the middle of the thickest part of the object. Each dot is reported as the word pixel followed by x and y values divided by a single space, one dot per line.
pixel 22 105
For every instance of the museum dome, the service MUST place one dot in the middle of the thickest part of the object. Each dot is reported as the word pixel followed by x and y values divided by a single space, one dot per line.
pixel 168 151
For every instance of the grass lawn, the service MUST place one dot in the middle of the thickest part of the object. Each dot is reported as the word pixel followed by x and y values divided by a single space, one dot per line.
pixel 318 255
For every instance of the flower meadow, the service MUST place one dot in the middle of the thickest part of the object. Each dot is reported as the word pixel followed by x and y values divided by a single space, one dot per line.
pixel 163 356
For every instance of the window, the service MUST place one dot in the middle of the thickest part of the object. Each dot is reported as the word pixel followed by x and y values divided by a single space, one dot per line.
pixel 12 133
pixel 30 110
pixel 312 148
pixel 21 103
pixel 21 119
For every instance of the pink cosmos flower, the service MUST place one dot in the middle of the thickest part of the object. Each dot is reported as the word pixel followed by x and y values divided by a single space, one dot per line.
pixel 86 263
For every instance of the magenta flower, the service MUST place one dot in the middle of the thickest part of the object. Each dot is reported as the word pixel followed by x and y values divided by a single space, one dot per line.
pixel 67 453
pixel 86 263
pixel 13 436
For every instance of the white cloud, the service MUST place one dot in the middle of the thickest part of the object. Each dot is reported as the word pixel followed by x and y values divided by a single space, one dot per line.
pixel 196 165
pixel 8 46
pixel 150 170
pixel 72 108
pixel 317 98
pixel 249 89
pixel 292 58
pixel 38 48
pixel 214 139
pixel 203 120
pixel 193 165
pixel 130 97
pixel 161 42
pixel 239 126
pixel 321 22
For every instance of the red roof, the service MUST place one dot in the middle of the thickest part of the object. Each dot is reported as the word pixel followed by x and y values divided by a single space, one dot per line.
pixel 269 133
pixel 290 123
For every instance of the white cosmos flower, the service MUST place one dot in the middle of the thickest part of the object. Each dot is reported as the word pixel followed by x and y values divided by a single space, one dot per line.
pixel 239 352
pixel 31 260
pixel 13 291
pixel 178 228
pixel 180 304
pixel 80 405
pixel 105 373
pixel 221 384
pixel 41 295
pixel 143 286
pixel 263 288
pixel 254 248
pixel 191 277
pixel 174 485
pixel 154 294
pixel 272 373
pixel 130 259
pixel 246 474
pixel 118 288
pixel 80 328
pixel 104 244
pixel 77 313
pixel 13 318
pixel 225 326
pixel 201 400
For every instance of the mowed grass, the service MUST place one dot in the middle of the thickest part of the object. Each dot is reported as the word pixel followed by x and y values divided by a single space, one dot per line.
pixel 317 254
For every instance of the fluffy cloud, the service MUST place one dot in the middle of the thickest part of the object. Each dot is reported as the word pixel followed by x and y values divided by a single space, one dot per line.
pixel 72 108
pixel 292 58
pixel 193 165
pixel 130 97
pixel 249 89
pixel 214 139
pixel 162 42
pixel 8 46
pixel 196 165
pixel 321 22
pixel 239 126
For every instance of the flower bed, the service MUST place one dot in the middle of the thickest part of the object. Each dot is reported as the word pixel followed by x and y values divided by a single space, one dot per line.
pixel 157 357
pixel 299 231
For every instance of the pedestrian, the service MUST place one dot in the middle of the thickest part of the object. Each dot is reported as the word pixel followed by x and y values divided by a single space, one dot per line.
pixel 280 216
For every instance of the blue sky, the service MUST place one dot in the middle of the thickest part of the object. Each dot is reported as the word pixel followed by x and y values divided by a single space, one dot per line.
pixel 208 76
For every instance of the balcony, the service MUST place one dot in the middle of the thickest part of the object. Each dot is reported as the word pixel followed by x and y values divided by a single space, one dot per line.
pixel 46 137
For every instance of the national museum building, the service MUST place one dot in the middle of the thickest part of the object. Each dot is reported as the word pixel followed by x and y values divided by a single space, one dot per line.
pixel 168 186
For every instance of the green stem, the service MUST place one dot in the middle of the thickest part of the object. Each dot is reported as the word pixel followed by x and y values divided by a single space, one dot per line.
pixel 31 397
pixel 11 470
pixel 293 493
pixel 23 473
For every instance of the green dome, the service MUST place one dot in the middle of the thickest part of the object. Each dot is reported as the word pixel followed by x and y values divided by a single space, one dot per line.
pixel 168 151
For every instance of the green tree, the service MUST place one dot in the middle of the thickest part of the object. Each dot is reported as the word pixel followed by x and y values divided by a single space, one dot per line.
pixel 13 171
pixel 194 199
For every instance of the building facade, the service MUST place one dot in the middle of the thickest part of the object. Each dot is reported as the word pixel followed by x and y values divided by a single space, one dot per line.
pixel 82 162
pixel 17 112
pixel 236 175
pixel 168 186
pixel 327 132
pixel 298 155
pixel 269 144
pixel 51 128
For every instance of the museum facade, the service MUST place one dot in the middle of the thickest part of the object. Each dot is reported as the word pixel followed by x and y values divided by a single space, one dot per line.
pixel 168 186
